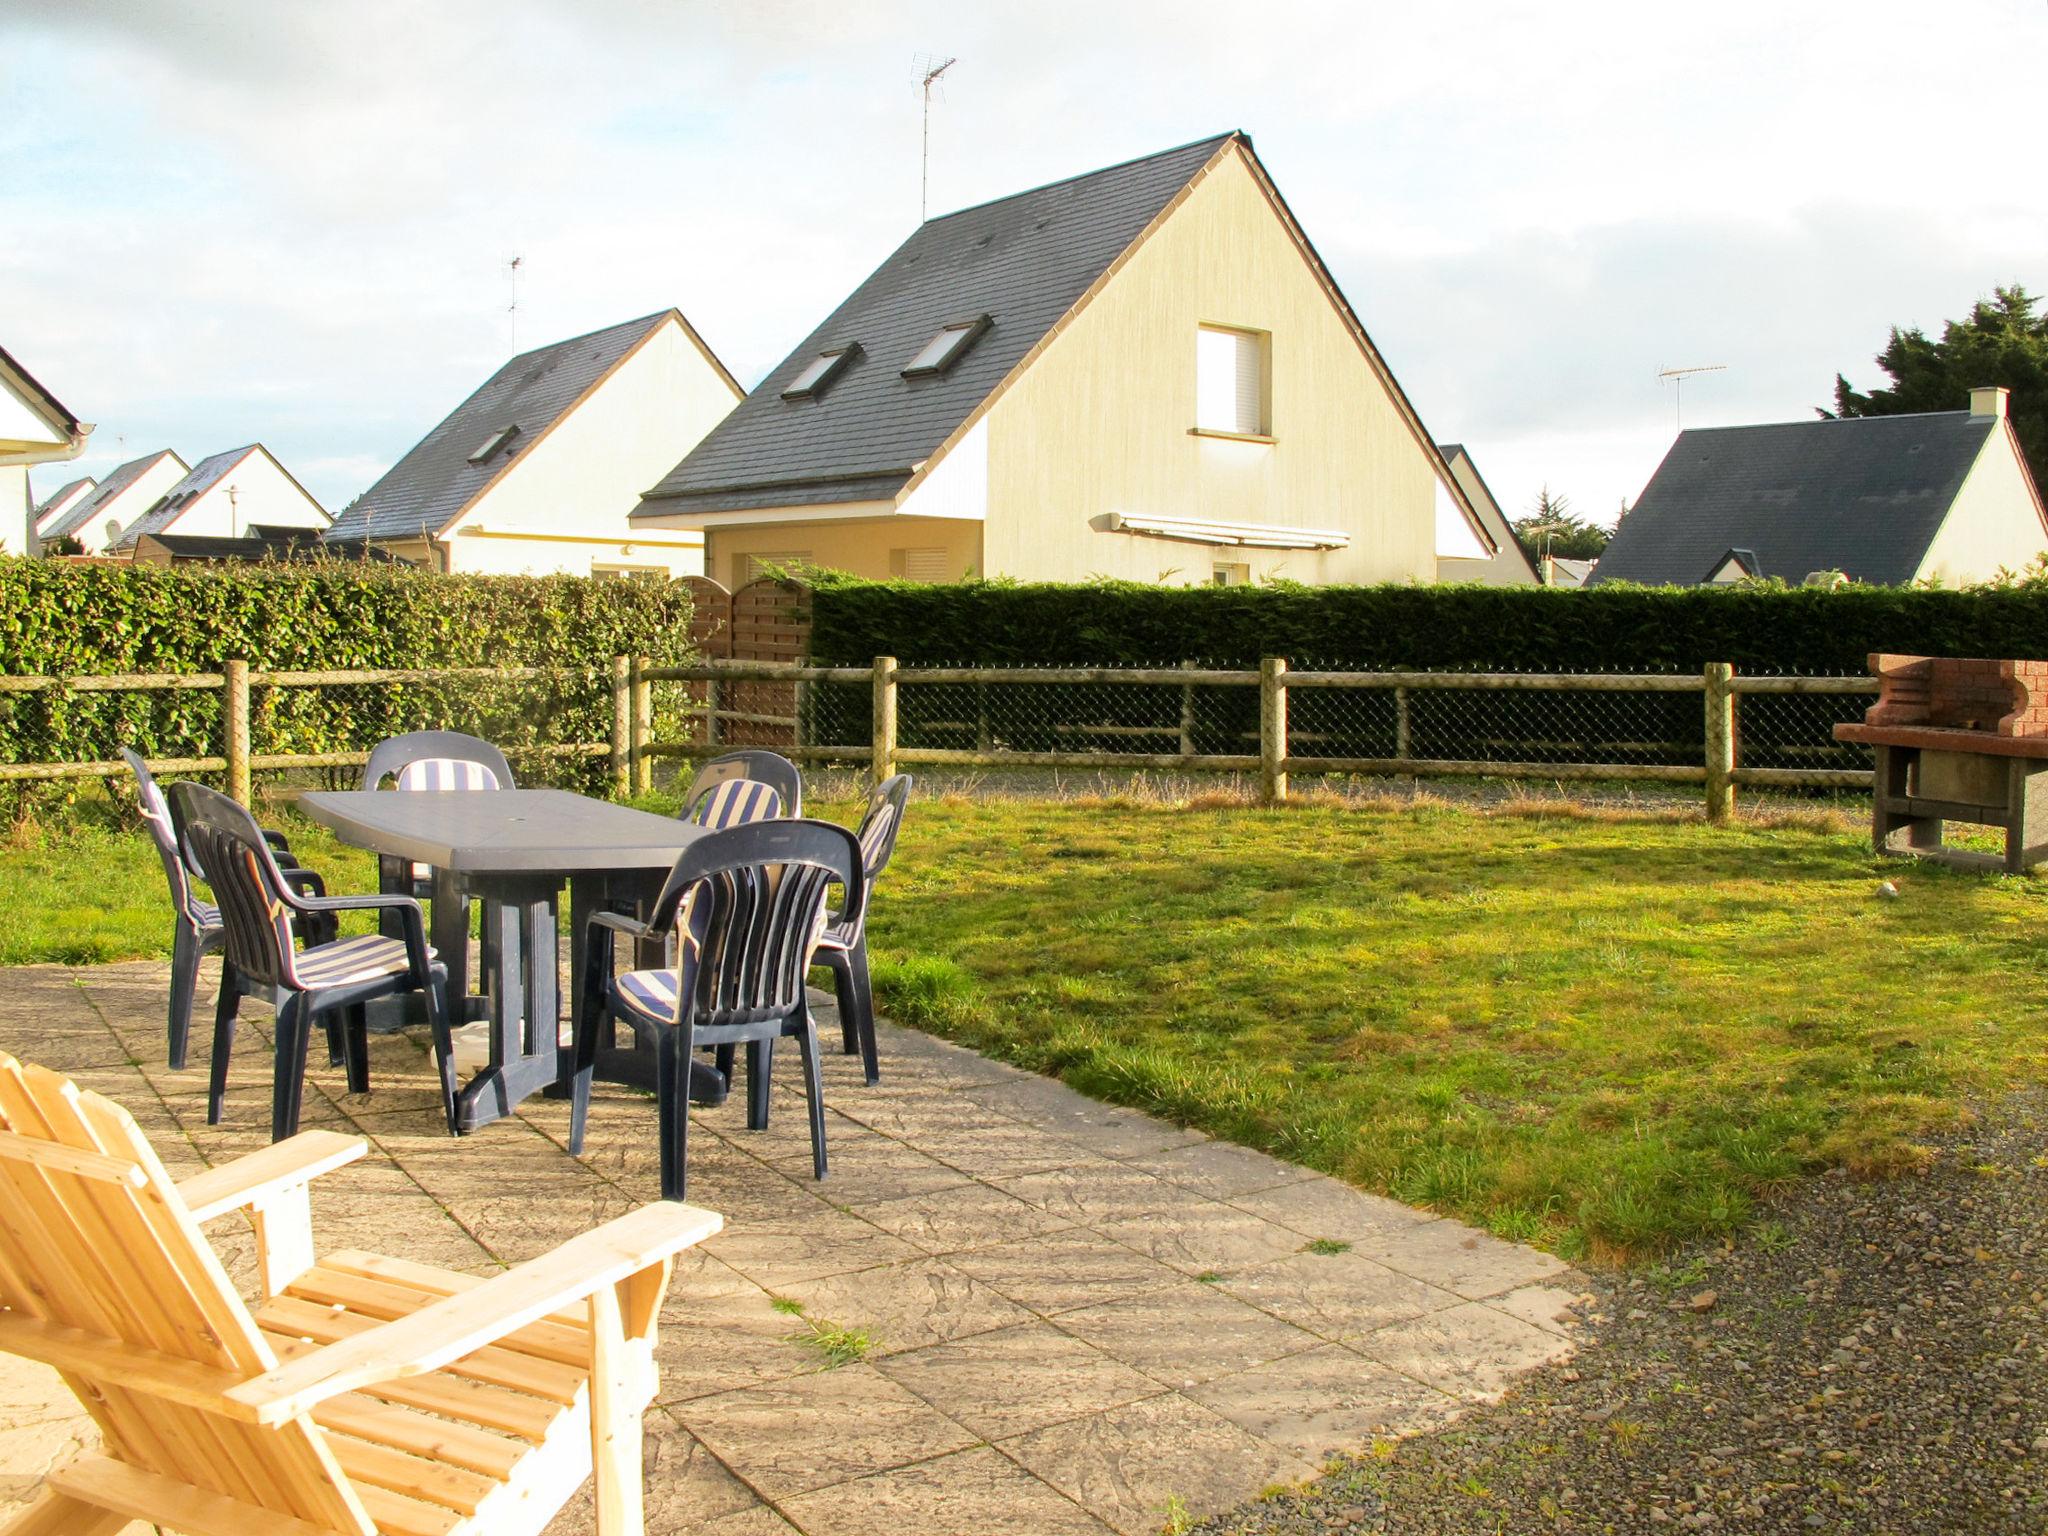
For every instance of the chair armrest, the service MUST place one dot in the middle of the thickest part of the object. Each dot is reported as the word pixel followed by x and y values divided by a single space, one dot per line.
pixel 410 915
pixel 268 1172
pixel 459 1325
pixel 279 843
pixel 306 882
pixel 620 922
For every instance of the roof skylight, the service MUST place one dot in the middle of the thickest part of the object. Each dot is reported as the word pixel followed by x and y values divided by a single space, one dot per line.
pixel 820 371
pixel 492 444
pixel 947 347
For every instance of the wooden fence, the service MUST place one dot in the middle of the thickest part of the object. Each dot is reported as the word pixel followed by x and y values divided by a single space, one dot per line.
pixel 1720 770
pixel 726 703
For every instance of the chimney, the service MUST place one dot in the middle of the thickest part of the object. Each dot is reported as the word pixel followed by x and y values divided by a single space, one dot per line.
pixel 1988 400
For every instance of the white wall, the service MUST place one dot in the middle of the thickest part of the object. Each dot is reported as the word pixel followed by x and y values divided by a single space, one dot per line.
pixel 16 534
pixel 578 484
pixel 144 492
pixel 1994 523
pixel 264 493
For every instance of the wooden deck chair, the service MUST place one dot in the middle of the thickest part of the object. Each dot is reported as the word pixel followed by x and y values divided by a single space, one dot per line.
pixel 366 1397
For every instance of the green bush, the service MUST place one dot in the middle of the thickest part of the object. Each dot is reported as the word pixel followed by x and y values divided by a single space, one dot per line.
pixel 58 618
pixel 1453 628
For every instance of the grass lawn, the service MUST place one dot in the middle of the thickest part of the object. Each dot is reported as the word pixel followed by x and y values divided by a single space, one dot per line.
pixel 1596 1033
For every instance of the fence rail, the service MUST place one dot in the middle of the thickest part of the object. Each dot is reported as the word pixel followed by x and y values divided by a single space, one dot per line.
pixel 1274 722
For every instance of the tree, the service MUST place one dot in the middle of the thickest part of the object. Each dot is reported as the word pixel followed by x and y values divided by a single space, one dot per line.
pixel 1553 528
pixel 2002 342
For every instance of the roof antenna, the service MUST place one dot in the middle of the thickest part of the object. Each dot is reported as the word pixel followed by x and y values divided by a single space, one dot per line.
pixel 1677 378
pixel 512 309
pixel 930 66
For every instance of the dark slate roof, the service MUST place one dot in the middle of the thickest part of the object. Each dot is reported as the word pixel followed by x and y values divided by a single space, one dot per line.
pixel 111 487
pixel 1863 496
pixel 1022 260
pixel 57 496
pixel 199 479
pixel 435 480
pixel 265 543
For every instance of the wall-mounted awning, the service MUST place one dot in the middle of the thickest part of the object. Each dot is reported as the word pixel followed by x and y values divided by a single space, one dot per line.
pixel 1195 530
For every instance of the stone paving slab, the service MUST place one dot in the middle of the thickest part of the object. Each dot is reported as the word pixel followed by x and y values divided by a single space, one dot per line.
pixel 1078 1315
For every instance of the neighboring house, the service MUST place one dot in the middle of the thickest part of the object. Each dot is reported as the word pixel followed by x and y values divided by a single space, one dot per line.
pixel 225 495
pixel 1562 572
pixel 53 507
pixel 1145 372
pixel 258 543
pixel 130 490
pixel 1459 556
pixel 35 428
pixel 1943 496
pixel 539 470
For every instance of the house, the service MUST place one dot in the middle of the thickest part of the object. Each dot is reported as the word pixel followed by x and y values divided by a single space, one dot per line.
pixel 53 507
pixel 1563 572
pixel 35 428
pixel 1145 372
pixel 1459 556
pixel 224 496
pixel 130 490
pixel 539 470
pixel 1942 496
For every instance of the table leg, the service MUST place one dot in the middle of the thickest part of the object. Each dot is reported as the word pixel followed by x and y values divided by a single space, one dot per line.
pixel 525 1006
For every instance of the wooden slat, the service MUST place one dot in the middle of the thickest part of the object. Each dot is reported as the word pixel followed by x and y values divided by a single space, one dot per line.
pixel 397 1516
pixel 431 1277
pixel 422 1434
pixel 55 1157
pixel 414 1476
pixel 457 1399
pixel 147 1371
pixel 163 1501
pixel 389 1300
pixel 500 1367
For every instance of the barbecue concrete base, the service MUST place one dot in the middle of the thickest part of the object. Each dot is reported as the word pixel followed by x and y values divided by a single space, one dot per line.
pixel 1078 1314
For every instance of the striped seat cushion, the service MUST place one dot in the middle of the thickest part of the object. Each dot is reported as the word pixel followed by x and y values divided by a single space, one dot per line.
pixel 737 802
pixel 443 773
pixel 205 913
pixel 345 962
pixel 651 994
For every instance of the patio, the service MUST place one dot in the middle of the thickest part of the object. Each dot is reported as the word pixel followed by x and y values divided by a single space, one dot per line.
pixel 1078 1313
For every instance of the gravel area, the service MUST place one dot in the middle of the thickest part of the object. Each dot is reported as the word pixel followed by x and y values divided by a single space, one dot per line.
pixel 1872 1358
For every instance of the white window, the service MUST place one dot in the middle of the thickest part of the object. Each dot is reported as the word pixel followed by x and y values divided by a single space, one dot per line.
pixel 919 564
pixel 948 346
pixel 1230 575
pixel 1230 382
pixel 820 371
pixel 748 568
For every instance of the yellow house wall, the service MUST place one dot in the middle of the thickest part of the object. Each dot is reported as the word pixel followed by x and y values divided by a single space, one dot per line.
pixel 861 546
pixel 1099 423
pixel 1993 524
pixel 578 484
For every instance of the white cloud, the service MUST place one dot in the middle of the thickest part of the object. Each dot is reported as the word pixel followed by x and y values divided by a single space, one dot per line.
pixel 248 219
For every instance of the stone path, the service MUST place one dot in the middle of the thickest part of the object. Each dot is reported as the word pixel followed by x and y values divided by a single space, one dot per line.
pixel 1081 1318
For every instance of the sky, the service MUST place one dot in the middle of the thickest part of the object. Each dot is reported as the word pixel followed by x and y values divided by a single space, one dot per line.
pixel 224 221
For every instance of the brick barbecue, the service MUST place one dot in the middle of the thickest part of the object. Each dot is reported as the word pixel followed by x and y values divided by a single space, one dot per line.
pixel 1958 739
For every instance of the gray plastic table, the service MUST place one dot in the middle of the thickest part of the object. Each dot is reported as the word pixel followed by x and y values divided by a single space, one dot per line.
pixel 515 848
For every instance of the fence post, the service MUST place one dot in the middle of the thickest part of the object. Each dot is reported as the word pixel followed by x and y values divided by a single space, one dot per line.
pixel 885 717
pixel 1404 742
pixel 713 698
pixel 235 722
pixel 643 725
pixel 800 709
pixel 1273 730
pixel 1720 697
pixel 622 726
pixel 1187 713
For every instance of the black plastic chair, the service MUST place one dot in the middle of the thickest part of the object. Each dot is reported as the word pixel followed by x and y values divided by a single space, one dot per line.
pixel 843 946
pixel 749 763
pixel 430 760
pixel 197 930
pixel 745 905
pixel 263 917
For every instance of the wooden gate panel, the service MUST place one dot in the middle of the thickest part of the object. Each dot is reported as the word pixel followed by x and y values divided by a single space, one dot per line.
pixel 771 621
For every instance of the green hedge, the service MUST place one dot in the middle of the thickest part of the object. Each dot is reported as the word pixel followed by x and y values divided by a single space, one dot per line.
pixel 63 618
pixel 1509 629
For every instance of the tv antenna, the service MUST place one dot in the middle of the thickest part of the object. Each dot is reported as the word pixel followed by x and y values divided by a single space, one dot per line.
pixel 930 66
pixel 512 309
pixel 1677 378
